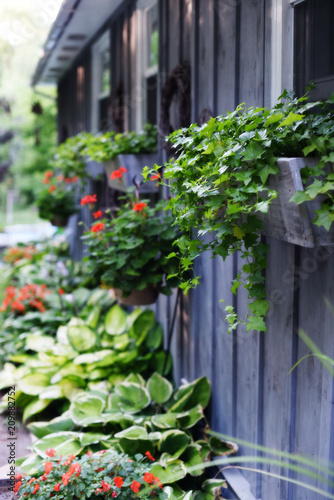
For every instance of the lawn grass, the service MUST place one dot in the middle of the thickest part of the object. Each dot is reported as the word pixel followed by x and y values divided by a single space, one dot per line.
pixel 27 215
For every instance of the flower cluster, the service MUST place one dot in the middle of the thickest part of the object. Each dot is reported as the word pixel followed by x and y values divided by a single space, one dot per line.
pixel 117 174
pixel 60 178
pixel 14 254
pixel 28 298
pixel 88 199
pixel 105 474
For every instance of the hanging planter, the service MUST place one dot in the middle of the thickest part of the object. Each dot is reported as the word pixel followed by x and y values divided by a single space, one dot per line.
pixel 131 166
pixel 144 297
pixel 59 221
pixel 287 220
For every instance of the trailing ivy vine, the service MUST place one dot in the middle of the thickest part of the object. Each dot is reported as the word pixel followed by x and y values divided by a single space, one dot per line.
pixel 220 184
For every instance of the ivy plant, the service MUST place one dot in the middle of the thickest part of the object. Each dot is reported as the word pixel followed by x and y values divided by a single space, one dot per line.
pixel 220 184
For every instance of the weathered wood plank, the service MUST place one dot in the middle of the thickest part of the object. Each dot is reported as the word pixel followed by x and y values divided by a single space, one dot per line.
pixel 223 346
pixel 226 52
pixel 314 383
pixel 278 352
pixel 250 57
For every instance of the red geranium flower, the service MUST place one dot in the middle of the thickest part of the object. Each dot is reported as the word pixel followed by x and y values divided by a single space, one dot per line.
pixel 148 477
pixel 18 476
pixel 57 487
pixel 114 494
pixel 119 481
pixel 135 486
pixel 50 452
pixel 116 174
pixel 97 214
pixel 155 177
pixel 17 486
pixel 97 227
pixel 88 199
pixel 52 188
pixel 148 454
pixel 106 486
pixel 123 169
pixel 48 467
pixel 36 489
pixel 138 207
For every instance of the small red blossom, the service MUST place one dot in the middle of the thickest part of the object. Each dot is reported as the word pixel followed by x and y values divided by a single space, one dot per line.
pixel 100 469
pixel 97 214
pixel 57 487
pixel 105 486
pixel 88 199
pixel 50 452
pixel 70 180
pixel 43 478
pixel 138 207
pixel 52 188
pixel 31 480
pixel 97 227
pixel 18 476
pixel 61 292
pixel 148 477
pixel 155 177
pixel 116 174
pixel 35 489
pixel 135 486
pixel 98 490
pixel 123 169
pixel 89 453
pixel 101 452
pixel 114 494
pixel 158 482
pixel 148 454
pixel 17 486
pixel 48 467
pixel 118 481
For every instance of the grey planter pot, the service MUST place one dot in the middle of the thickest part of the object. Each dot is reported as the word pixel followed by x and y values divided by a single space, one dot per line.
pixel 134 165
pixel 288 221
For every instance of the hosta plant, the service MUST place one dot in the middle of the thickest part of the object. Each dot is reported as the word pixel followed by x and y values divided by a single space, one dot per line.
pixel 220 185
pixel 105 474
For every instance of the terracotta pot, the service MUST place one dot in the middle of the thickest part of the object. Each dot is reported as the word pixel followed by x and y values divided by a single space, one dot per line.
pixel 59 221
pixel 137 297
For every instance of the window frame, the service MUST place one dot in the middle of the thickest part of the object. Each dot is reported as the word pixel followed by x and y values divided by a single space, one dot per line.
pixel 102 44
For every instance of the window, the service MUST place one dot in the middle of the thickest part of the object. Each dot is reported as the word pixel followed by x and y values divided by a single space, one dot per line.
pixel 101 83
pixel 147 61
pixel 314 46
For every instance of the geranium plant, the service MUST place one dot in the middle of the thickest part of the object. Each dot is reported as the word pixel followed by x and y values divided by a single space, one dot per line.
pixel 221 185
pixel 128 249
pixel 105 474
pixel 12 255
pixel 57 201
pixel 30 297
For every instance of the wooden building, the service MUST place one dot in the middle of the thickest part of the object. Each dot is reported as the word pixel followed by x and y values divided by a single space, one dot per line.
pixel 110 60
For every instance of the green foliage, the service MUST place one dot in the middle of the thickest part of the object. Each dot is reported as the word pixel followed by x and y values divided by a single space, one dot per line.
pixel 59 203
pixel 129 250
pixel 220 180
pixel 109 145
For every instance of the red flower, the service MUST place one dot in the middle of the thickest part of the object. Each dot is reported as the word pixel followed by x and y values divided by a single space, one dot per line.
pixel 57 487
pixel 97 214
pixel 135 486
pixel 77 469
pixel 48 467
pixel 117 174
pixel 89 453
pixel 101 452
pixel 61 292
pixel 97 227
pixel 114 494
pixel 100 469
pixel 88 199
pixel 148 454
pixel 105 486
pixel 18 476
pixel 17 486
pixel 60 178
pixel 43 478
pixel 31 480
pixel 155 177
pixel 48 174
pixel 138 207
pixel 148 477
pixel 123 169
pixel 119 481
pixel 69 180
pixel 36 489
pixel 52 188
pixel 50 452
pixel 98 490
pixel 158 482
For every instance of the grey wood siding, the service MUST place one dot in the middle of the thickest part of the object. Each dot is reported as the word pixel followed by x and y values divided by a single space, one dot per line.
pixel 227 43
